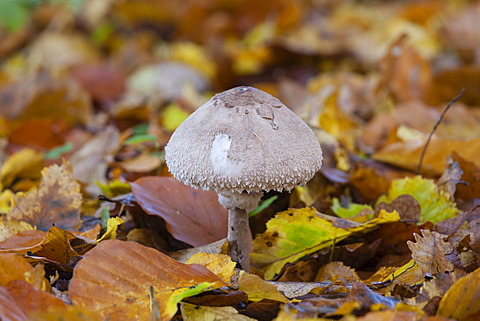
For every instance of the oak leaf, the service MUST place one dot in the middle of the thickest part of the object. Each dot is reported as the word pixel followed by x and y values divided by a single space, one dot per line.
pixel 429 252
pixel 202 313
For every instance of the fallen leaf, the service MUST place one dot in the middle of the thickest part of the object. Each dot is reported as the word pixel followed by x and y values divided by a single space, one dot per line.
pixel 25 164
pixel 258 289
pixel 9 309
pixel 193 216
pixel 435 205
pixel 124 273
pixel 406 205
pixel 461 300
pixel 202 313
pixel 11 227
pixel 220 264
pixel 56 247
pixel 70 313
pixel 89 163
pixel 30 299
pixel 57 201
pixel 429 252
pixel 337 272
pixel 407 154
pixel 471 175
pixel 13 267
pixel 295 233
pixel 23 242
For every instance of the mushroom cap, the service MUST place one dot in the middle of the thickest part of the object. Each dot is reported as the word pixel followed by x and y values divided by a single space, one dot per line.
pixel 243 139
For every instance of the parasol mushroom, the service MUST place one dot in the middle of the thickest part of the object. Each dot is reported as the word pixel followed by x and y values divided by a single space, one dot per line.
pixel 240 143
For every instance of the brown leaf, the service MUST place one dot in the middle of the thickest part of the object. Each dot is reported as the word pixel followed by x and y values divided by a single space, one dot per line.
pixel 115 279
pixel 404 71
pixel 56 246
pixel 193 216
pixel 89 163
pixel 471 175
pixel 200 313
pixel 57 201
pixel 429 252
pixel 406 205
pixel 447 183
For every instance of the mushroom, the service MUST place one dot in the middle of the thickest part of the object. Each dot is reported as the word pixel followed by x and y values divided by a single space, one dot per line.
pixel 240 143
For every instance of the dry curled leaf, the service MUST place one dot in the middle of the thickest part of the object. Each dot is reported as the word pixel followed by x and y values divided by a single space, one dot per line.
pixel 429 252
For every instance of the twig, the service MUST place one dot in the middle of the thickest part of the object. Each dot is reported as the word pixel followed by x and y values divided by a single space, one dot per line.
pixel 439 120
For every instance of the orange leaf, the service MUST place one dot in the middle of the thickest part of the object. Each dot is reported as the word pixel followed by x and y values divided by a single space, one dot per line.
pixel 115 279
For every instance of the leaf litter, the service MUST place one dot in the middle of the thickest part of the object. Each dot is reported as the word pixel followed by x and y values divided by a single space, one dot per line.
pixel 90 94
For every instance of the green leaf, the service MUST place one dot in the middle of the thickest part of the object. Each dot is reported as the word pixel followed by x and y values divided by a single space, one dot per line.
pixel 435 205
pixel 141 138
pixel 266 203
pixel 344 212
pixel 295 233
pixel 58 151
pixel 14 14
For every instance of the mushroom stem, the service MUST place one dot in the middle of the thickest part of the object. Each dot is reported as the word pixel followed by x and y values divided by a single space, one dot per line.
pixel 239 237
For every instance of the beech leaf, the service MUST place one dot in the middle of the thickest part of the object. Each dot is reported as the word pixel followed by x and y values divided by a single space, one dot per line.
pixel 193 216
pixel 115 278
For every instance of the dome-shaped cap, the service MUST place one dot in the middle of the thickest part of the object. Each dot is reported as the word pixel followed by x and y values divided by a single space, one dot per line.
pixel 243 139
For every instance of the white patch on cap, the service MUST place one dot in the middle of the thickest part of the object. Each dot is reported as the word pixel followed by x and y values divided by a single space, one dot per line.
pixel 221 164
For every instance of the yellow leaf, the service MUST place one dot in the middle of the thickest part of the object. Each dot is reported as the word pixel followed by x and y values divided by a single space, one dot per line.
pixel 337 123
pixel 173 116
pixel 6 198
pixel 220 264
pixel 112 226
pixel 202 313
pixel 461 300
pixel 25 164
pixel 194 55
pixel 258 289
pixel 11 227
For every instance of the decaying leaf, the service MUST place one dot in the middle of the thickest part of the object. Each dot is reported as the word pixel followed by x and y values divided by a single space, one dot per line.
pixel 429 252
pixel 57 201
pixel 125 272
pixel 193 216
